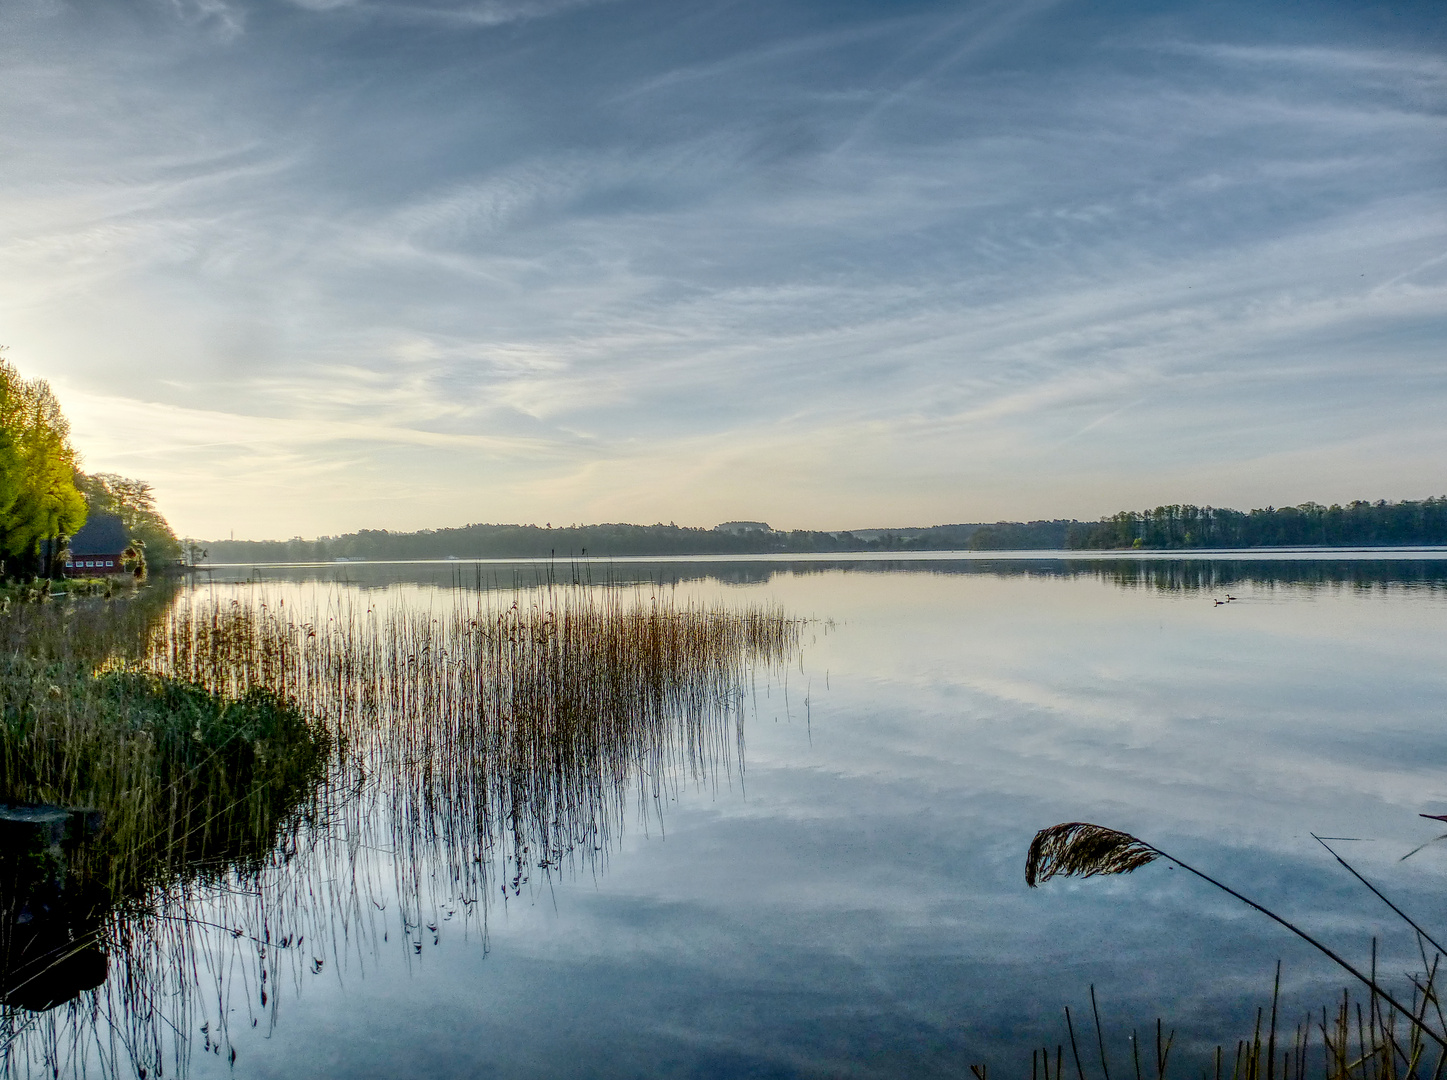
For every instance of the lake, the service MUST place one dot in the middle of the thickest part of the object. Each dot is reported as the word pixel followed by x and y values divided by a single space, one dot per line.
pixel 829 880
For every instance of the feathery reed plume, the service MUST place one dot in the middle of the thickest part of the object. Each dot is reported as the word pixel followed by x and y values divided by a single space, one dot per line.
pixel 1080 849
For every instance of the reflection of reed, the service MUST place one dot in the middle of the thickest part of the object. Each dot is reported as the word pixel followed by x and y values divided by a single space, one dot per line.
pixel 480 743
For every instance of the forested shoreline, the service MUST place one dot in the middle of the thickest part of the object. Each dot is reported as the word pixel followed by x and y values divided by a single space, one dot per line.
pixel 1165 528
pixel 1357 524
pixel 537 541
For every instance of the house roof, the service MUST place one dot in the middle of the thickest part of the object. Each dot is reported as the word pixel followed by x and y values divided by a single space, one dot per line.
pixel 102 534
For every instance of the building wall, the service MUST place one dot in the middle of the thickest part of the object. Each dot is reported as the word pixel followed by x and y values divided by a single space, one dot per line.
pixel 93 565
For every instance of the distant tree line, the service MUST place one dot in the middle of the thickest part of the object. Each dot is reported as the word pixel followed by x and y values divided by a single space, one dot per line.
pixel 1164 528
pixel 536 541
pixel 1021 535
pixel 1356 524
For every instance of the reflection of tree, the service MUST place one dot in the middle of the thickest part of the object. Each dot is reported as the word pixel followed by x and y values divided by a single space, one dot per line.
pixel 1204 575
pixel 479 749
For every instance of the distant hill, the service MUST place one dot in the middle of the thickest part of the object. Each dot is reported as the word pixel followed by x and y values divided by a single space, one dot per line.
pixel 1164 528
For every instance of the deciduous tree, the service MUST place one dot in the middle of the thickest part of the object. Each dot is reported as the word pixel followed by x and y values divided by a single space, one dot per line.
pixel 39 502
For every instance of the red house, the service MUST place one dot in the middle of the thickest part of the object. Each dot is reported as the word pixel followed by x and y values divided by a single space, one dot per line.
pixel 98 548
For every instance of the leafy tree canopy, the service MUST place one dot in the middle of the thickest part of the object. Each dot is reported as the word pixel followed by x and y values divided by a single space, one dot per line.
pixel 39 502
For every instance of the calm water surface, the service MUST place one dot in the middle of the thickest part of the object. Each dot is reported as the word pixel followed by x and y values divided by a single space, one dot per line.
pixel 845 895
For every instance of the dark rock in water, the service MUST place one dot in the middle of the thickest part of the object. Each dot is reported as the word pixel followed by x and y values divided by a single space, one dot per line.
pixel 50 920
pixel 50 976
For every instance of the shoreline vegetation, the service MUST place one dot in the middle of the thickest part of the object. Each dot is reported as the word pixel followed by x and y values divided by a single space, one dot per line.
pixel 1350 1039
pixel 1165 528
pixel 202 740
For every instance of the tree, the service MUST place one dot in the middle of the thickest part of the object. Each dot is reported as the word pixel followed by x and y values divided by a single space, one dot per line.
pixel 39 502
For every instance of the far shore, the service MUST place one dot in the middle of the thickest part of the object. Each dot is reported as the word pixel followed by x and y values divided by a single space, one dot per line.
pixel 1407 552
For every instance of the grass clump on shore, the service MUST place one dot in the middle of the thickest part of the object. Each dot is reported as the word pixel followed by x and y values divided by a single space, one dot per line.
pixel 175 772
pixel 179 775
pixel 121 791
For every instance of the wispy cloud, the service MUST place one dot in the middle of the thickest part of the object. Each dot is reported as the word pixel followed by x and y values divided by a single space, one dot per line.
pixel 462 13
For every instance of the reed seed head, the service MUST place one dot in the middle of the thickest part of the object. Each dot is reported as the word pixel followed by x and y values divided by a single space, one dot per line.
pixel 1081 849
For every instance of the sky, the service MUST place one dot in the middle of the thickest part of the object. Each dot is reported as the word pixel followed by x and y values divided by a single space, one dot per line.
pixel 310 266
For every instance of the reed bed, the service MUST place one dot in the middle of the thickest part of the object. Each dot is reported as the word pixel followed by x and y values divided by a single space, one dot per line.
pixel 470 746
pixel 532 721
pixel 187 793
pixel 179 776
